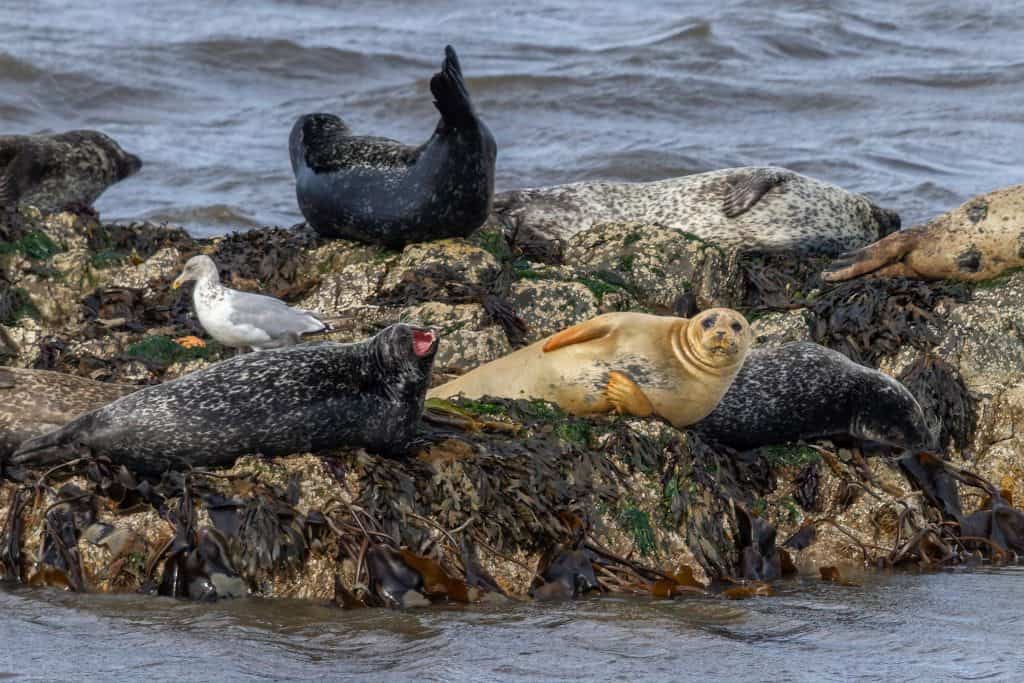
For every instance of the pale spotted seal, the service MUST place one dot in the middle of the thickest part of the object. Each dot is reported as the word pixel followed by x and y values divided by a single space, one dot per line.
pixel 241 319
pixel 63 171
pixel 302 398
pixel 34 402
pixel 976 241
pixel 631 363
pixel 803 391
pixel 378 190
pixel 750 208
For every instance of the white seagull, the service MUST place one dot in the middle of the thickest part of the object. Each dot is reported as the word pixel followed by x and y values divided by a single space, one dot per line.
pixel 240 319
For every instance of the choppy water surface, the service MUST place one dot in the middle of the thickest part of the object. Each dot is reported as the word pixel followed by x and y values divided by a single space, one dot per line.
pixel 919 103
pixel 946 626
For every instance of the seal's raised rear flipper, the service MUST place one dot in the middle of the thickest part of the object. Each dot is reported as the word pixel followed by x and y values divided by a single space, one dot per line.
pixel 450 94
pixel 888 251
pixel 577 334
pixel 626 397
pixel 744 189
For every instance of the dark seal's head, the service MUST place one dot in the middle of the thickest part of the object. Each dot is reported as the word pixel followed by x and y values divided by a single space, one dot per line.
pixel 311 141
pixel 889 414
pixel 405 355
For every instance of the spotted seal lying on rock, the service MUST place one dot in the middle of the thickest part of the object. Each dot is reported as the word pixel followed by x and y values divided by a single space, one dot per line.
pixel 378 190
pixel 750 208
pixel 976 241
pixel 804 391
pixel 63 171
pixel 302 398
pixel 631 363
pixel 34 402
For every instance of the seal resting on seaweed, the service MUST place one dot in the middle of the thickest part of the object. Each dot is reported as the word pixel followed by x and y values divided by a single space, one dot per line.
pixel 752 208
pixel 302 398
pixel 378 190
pixel 976 241
pixel 631 363
pixel 63 171
pixel 242 319
pixel 804 391
pixel 34 402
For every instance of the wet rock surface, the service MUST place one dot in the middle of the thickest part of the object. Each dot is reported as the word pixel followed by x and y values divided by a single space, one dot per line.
pixel 506 499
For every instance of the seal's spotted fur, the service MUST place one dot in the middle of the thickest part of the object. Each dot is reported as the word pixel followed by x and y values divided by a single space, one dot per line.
pixel 806 391
pixel 298 399
pixel 757 208
pixel 64 171
pixel 34 402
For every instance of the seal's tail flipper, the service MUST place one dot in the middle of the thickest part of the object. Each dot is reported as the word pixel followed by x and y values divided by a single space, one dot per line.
pixel 450 94
pixel 744 189
pixel 44 450
pixel 885 252
pixel 577 334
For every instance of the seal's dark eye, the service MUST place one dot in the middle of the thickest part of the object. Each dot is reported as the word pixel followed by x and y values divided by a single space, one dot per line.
pixel 708 322
pixel 736 327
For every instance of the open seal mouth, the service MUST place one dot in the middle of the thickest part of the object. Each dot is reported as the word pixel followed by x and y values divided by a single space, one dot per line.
pixel 423 342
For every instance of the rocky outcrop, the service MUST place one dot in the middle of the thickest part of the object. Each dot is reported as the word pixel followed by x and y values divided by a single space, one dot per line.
pixel 502 498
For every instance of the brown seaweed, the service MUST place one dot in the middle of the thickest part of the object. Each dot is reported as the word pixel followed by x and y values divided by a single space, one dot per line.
pixel 868 319
pixel 948 405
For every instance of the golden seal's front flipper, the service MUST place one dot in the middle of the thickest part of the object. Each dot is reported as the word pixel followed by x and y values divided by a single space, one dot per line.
pixel 626 397
pixel 577 334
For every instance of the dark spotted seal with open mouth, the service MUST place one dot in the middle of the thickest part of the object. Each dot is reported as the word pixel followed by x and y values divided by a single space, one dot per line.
pixel 63 171
pixel 302 398
pixel 378 190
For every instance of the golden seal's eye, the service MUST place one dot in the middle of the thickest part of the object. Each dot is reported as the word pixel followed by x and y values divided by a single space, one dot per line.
pixel 736 327
pixel 707 322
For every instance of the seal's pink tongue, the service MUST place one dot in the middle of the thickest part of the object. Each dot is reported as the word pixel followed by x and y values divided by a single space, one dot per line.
pixel 422 340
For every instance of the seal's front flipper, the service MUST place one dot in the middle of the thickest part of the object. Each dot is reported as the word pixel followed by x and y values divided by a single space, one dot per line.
pixel 577 334
pixel 626 397
pixel 888 251
pixel 450 94
pixel 743 189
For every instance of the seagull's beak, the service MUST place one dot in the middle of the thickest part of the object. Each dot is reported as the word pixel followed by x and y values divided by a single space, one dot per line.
pixel 176 283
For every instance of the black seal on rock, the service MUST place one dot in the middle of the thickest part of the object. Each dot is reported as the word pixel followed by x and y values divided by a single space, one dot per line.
pixel 378 190
pixel 803 391
pixel 303 398
pixel 63 171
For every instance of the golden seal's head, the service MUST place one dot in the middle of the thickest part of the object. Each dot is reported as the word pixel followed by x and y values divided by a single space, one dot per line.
pixel 718 337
